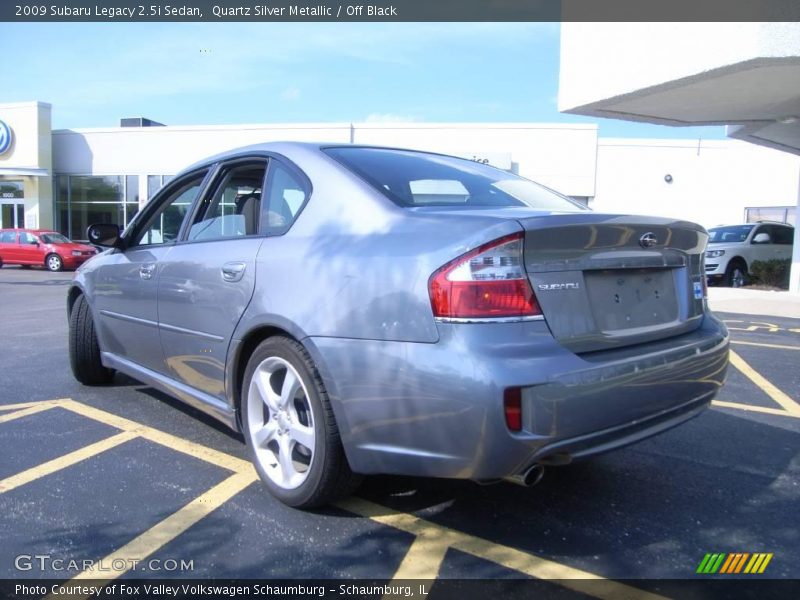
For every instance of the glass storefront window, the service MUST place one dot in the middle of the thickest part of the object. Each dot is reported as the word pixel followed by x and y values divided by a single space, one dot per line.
pixel 155 183
pixel 81 200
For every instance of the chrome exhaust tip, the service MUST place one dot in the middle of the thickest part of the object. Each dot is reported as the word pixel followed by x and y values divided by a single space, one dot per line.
pixel 529 477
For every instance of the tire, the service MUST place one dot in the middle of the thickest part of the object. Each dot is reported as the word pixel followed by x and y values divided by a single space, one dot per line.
pixel 84 351
pixel 53 262
pixel 285 411
pixel 736 274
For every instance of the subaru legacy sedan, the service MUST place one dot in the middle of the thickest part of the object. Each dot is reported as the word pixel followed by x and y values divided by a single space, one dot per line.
pixel 356 310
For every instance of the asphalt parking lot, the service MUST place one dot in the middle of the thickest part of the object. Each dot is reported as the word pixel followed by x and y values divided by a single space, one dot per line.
pixel 124 473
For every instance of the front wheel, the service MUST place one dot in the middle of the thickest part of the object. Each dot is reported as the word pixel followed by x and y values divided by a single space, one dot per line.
pixel 53 262
pixel 736 274
pixel 290 429
pixel 84 351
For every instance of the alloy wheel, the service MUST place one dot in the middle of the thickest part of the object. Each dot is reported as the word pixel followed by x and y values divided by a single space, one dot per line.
pixel 281 423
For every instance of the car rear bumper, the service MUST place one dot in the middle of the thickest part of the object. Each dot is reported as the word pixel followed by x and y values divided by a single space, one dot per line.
pixel 437 409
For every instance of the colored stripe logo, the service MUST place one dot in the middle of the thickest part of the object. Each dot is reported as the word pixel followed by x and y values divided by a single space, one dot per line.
pixel 734 562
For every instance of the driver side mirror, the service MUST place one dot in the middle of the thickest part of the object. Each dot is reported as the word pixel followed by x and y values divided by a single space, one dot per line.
pixel 762 238
pixel 104 234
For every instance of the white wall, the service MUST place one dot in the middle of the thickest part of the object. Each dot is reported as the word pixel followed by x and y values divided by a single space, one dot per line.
pixel 167 150
pixel 713 181
pixel 560 156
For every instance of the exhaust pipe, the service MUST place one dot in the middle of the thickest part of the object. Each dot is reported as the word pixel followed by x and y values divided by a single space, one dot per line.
pixel 529 477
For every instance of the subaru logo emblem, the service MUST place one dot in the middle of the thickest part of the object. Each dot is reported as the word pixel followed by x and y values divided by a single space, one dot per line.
pixel 5 137
pixel 648 240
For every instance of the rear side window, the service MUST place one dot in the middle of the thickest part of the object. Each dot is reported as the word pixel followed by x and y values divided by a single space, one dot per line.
pixel 284 196
pixel 8 237
pixel 782 235
pixel 411 178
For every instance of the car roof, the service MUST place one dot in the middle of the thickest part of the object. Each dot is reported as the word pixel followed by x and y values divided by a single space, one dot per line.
pixel 291 147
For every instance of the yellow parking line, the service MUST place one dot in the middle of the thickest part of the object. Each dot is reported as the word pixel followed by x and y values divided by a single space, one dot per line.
pixel 423 559
pixel 762 409
pixel 215 457
pixel 31 410
pixel 62 462
pixel 120 561
pixel 20 405
pixel 762 345
pixel 511 558
pixel 773 392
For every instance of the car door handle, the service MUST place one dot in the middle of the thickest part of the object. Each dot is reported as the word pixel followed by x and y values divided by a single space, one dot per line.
pixel 146 271
pixel 233 271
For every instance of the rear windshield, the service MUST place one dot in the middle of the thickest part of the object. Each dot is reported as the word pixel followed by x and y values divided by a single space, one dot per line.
pixel 411 178
pixel 732 233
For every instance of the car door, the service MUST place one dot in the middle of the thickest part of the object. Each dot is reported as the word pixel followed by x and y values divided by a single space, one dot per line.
pixel 8 246
pixel 208 278
pixel 125 285
pixel 783 240
pixel 762 250
pixel 30 251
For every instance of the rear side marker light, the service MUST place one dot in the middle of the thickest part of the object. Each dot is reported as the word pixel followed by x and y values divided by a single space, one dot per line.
pixel 512 406
pixel 485 283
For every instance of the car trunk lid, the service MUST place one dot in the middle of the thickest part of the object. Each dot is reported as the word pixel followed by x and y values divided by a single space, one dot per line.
pixel 607 281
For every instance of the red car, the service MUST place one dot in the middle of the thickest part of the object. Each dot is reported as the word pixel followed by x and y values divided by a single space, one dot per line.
pixel 37 247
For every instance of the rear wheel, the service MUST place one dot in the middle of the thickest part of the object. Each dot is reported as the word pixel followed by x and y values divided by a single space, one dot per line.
pixel 84 351
pixel 53 262
pixel 290 429
pixel 736 274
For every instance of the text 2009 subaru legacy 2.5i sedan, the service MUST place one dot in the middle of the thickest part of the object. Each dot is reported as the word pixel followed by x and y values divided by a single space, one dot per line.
pixel 360 310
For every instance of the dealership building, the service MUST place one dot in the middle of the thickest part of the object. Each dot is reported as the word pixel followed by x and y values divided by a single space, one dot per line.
pixel 68 178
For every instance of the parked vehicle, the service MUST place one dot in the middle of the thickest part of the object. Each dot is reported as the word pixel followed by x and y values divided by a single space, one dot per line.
pixel 356 310
pixel 42 248
pixel 733 249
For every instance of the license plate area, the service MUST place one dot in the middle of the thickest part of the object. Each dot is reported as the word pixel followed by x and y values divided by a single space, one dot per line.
pixel 631 298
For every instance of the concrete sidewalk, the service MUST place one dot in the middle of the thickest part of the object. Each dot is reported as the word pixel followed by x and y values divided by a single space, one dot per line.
pixel 754 302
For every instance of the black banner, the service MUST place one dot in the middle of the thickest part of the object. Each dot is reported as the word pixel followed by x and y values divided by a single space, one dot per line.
pixel 399 10
pixel 705 588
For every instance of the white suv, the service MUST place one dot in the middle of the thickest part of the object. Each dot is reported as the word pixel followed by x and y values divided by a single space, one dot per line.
pixel 733 248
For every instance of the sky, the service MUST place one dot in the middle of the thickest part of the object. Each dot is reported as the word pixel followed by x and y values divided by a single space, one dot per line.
pixel 231 73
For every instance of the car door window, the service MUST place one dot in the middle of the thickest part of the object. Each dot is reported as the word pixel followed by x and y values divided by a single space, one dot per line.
pixel 27 238
pixel 285 196
pixel 164 225
pixel 234 208
pixel 8 237
pixel 762 229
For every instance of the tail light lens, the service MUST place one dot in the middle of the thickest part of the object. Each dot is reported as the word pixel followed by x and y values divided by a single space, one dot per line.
pixel 512 406
pixel 488 282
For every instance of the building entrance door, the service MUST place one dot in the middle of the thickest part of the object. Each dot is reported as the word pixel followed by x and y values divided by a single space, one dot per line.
pixel 12 214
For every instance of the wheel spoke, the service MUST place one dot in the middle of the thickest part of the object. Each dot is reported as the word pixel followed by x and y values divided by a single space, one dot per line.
pixel 266 434
pixel 269 397
pixel 302 435
pixel 290 386
pixel 285 458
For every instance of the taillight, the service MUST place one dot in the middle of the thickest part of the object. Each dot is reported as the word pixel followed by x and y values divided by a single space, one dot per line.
pixel 512 407
pixel 488 282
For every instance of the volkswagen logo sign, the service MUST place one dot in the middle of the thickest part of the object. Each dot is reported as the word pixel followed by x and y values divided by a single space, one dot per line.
pixel 5 137
pixel 648 240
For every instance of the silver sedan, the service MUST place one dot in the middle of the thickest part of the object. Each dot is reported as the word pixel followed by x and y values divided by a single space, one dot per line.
pixel 355 310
